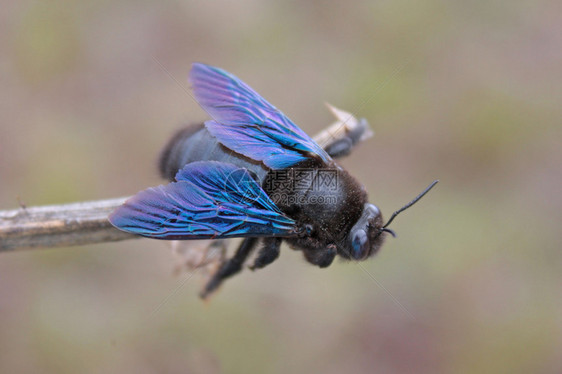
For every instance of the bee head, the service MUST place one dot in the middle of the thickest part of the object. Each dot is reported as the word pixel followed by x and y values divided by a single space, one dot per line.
pixel 367 235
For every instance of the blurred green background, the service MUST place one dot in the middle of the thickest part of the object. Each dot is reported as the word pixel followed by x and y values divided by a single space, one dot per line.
pixel 467 92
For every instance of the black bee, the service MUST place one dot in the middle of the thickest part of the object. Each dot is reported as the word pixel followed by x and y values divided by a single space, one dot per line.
pixel 251 172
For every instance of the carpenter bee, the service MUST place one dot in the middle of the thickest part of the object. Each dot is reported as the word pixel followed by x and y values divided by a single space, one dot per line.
pixel 250 172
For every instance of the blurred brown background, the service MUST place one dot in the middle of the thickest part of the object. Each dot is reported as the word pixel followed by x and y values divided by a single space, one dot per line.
pixel 467 92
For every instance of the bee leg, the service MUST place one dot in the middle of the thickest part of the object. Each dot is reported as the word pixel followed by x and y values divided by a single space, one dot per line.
pixel 268 253
pixel 232 266
pixel 343 146
pixel 321 257
pixel 339 148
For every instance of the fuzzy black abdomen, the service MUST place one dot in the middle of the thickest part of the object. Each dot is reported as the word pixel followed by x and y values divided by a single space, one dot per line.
pixel 195 143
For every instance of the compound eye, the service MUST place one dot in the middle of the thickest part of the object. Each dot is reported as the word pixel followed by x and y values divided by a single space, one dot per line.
pixel 360 245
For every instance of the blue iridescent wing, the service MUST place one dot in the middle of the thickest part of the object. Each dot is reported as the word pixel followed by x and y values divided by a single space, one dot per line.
pixel 246 123
pixel 208 200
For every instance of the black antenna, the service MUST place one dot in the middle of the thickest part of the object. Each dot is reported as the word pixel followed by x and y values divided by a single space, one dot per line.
pixel 407 206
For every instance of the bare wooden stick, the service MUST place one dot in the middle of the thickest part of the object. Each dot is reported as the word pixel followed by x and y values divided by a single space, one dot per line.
pixel 59 225
pixel 86 222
